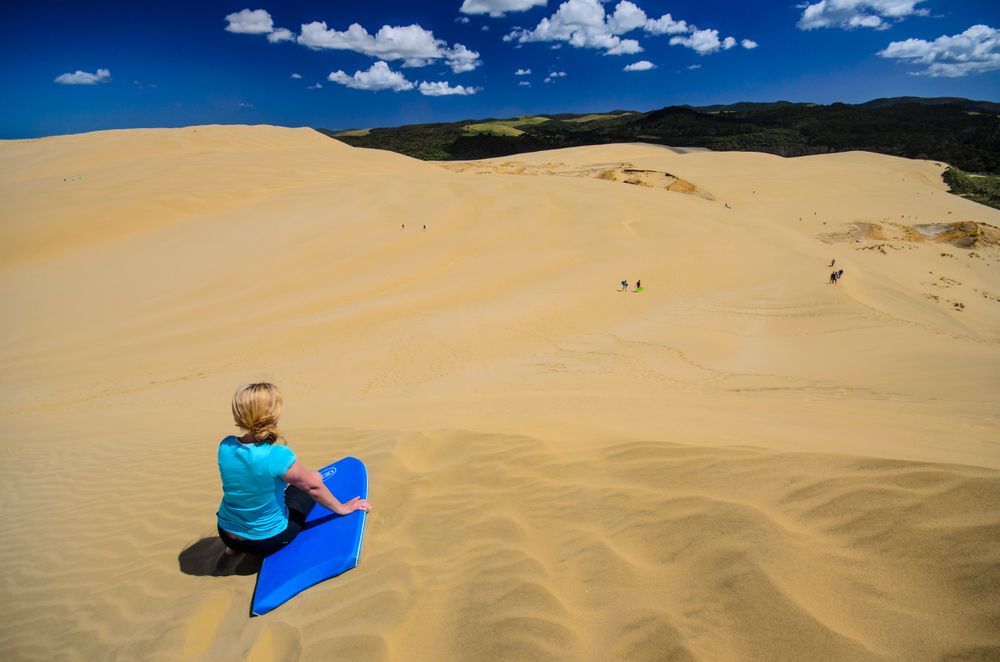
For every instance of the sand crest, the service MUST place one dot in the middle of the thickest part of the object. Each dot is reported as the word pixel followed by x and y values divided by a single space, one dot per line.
pixel 741 462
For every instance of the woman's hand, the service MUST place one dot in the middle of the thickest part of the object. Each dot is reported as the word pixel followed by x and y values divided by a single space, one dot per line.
pixel 357 503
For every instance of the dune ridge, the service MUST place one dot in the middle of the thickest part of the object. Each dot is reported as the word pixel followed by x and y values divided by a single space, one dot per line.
pixel 741 462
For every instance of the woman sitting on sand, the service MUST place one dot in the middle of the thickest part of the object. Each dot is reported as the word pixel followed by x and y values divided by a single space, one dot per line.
pixel 259 513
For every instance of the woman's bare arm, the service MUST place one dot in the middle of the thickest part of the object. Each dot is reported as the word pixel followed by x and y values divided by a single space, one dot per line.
pixel 311 483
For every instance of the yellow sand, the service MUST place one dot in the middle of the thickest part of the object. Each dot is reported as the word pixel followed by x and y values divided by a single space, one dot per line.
pixel 742 462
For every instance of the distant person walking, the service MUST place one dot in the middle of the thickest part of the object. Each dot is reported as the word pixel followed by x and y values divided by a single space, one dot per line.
pixel 833 277
pixel 832 262
pixel 840 274
pixel 624 286
pixel 638 286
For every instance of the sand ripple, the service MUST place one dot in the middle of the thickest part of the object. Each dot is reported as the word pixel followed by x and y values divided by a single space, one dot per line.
pixel 506 547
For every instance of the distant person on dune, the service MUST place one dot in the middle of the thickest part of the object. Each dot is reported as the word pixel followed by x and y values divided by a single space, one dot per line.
pixel 840 274
pixel 624 286
pixel 638 286
pixel 266 492
pixel 833 277
pixel 832 262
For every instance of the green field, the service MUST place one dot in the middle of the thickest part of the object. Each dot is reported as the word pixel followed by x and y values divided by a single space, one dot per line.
pixel 504 127
pixel 592 118
pixel 353 132
pixel 494 128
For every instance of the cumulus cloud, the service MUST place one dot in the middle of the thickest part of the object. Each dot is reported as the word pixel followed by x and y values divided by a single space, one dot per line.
pixel 524 83
pixel 461 59
pixel 246 21
pixel 586 24
pixel 84 78
pixel 554 75
pixel 442 88
pixel 378 77
pixel 666 25
pixel 625 47
pixel 693 67
pixel 523 72
pixel 498 7
pixel 257 21
pixel 296 76
pixel 641 65
pixel 315 86
pixel 851 14
pixel 703 42
pixel 413 44
pixel 748 44
pixel 281 34
pixel 581 23
pixel 977 50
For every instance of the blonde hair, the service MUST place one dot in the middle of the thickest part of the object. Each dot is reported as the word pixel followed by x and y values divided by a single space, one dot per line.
pixel 256 408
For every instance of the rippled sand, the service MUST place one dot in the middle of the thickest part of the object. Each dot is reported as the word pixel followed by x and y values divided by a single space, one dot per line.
pixel 740 462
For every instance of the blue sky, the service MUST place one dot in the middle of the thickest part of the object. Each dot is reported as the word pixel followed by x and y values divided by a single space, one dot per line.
pixel 73 67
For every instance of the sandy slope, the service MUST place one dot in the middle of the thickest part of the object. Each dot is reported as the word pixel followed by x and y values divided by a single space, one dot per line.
pixel 741 462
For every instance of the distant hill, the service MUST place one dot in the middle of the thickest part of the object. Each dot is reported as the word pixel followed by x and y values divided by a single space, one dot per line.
pixel 968 104
pixel 961 132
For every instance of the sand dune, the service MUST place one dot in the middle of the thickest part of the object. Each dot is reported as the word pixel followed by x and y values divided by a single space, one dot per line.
pixel 741 462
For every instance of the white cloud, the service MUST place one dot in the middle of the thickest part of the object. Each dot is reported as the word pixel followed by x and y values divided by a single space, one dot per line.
pixel 413 44
pixel 257 21
pixel 693 67
pixel 248 21
pixel 315 86
pixel 626 17
pixel 524 83
pixel 485 28
pixel 581 23
pixel 378 77
pixel 84 78
pixel 748 44
pixel 641 65
pixel 498 7
pixel 461 59
pixel 281 34
pixel 851 14
pixel 666 25
pixel 553 75
pixel 523 72
pixel 442 88
pixel 703 42
pixel 625 47
pixel 296 76
pixel 977 50
pixel 586 24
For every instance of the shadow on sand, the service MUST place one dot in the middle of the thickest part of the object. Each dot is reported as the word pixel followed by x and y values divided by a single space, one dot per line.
pixel 207 558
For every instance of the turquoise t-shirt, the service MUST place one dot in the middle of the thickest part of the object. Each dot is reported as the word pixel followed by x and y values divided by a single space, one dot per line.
pixel 253 494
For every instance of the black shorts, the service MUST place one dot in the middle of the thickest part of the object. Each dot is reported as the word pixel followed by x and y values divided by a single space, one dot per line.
pixel 299 505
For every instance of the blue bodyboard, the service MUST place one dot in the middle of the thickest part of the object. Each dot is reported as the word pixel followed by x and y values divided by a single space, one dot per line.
pixel 328 545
